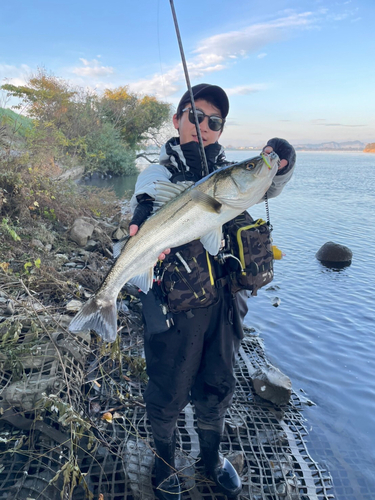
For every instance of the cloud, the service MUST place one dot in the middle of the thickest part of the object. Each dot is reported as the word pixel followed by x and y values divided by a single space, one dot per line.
pixel 340 125
pixel 92 69
pixel 16 75
pixel 245 89
pixel 252 38
pixel 260 56
pixel 171 81
pixel 220 51
pixel 351 14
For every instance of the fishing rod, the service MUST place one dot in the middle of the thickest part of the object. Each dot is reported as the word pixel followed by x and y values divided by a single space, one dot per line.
pixel 200 140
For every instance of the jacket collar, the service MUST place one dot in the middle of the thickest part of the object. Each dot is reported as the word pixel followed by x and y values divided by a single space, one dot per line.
pixel 186 158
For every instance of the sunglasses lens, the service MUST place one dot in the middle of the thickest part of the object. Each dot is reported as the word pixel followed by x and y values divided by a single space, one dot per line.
pixel 215 123
pixel 200 116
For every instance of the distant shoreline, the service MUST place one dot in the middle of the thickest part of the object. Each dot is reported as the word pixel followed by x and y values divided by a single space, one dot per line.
pixel 308 150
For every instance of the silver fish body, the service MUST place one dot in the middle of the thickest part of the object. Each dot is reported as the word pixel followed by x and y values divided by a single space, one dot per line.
pixel 196 212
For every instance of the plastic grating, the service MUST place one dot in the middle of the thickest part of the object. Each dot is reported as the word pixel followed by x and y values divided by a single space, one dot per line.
pixel 34 445
pixel 266 441
pixel 115 458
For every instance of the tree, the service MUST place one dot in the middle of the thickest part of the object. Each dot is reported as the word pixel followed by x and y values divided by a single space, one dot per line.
pixel 136 118
pixel 45 97
pixel 71 122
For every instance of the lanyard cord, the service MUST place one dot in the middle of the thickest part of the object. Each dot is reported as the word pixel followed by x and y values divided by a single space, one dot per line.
pixel 205 170
pixel 267 212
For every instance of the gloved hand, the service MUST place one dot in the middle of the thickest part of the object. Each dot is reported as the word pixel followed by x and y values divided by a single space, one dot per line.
pixel 284 151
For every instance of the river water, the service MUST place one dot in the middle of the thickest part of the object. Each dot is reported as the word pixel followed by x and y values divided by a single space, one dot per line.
pixel 322 335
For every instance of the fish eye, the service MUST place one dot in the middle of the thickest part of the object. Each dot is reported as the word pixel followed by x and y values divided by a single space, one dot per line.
pixel 250 166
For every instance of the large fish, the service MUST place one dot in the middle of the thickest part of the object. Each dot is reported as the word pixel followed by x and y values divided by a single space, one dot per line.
pixel 186 212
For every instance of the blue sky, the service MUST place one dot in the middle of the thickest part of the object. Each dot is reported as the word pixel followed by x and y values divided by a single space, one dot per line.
pixel 303 70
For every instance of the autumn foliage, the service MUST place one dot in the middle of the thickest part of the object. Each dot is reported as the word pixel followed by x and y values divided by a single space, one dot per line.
pixel 71 124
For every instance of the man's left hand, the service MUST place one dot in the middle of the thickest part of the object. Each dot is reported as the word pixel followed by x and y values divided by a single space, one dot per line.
pixel 284 151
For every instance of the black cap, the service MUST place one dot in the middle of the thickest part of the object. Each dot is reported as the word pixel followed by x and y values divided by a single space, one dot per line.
pixel 203 90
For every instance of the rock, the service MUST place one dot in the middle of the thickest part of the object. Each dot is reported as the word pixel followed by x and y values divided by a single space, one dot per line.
pixel 73 173
pixel 334 255
pixel 36 243
pixel 107 253
pixel 118 234
pixel 61 256
pixel 276 302
pixel 9 309
pixel 271 384
pixel 124 224
pixel 81 231
pixel 73 305
pixel 91 245
pixel 48 247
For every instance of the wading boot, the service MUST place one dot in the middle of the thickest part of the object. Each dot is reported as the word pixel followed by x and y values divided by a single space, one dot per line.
pixel 219 469
pixel 167 485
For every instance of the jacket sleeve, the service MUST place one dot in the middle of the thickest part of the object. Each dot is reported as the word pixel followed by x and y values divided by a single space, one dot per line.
pixel 145 184
pixel 278 182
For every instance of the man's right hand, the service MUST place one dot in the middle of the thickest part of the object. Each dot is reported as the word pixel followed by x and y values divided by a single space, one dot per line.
pixel 133 229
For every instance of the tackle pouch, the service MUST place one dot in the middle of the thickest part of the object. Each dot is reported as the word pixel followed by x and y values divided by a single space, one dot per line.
pixel 188 279
pixel 251 243
pixel 155 312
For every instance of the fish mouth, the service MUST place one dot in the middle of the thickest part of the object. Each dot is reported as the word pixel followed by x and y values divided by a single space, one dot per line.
pixel 270 159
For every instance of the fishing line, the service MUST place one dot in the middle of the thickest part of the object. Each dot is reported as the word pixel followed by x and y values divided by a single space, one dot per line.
pixel 158 37
pixel 201 147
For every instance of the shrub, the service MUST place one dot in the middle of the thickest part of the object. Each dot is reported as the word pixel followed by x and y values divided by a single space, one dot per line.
pixel 107 153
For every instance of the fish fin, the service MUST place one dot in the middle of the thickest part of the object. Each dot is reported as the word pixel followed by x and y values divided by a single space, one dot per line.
pixel 118 246
pixel 99 316
pixel 166 191
pixel 212 241
pixel 207 202
pixel 143 281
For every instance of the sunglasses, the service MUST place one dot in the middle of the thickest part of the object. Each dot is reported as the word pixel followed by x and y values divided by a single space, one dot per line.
pixel 215 123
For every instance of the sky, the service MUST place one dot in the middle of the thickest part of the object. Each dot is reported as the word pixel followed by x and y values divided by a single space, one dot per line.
pixel 297 69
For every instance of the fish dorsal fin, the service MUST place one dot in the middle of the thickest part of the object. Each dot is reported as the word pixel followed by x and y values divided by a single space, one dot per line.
pixel 166 191
pixel 206 201
pixel 212 241
pixel 143 281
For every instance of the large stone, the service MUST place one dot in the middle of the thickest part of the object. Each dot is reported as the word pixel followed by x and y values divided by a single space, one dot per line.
pixel 334 255
pixel 118 234
pixel 271 384
pixel 81 231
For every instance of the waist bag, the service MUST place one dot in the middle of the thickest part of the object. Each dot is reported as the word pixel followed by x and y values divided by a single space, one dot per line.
pixel 251 243
pixel 188 278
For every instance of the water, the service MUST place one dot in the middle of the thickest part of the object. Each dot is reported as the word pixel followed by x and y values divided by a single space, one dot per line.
pixel 122 186
pixel 322 335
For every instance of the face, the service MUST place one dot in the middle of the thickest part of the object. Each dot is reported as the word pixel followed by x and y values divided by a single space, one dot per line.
pixel 188 131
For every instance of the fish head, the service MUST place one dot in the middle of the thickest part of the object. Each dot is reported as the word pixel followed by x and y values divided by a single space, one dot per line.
pixel 245 183
pixel 258 169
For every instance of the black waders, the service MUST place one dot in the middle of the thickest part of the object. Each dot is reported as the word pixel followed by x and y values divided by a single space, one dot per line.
pixel 219 469
pixel 167 485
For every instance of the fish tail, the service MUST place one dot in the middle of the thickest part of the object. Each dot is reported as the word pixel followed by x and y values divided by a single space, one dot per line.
pixel 99 315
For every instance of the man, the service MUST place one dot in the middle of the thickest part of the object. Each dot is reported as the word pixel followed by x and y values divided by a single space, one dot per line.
pixel 193 358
